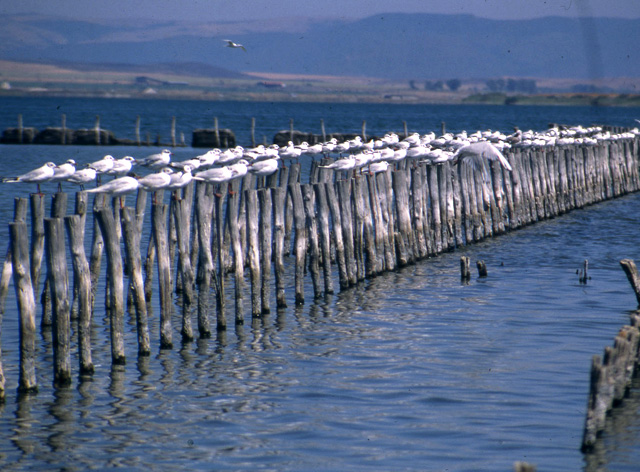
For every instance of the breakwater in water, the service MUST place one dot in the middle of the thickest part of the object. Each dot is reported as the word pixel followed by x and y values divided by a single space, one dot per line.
pixel 340 229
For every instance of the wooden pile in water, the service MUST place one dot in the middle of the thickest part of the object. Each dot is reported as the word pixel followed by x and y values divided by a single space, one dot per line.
pixel 358 226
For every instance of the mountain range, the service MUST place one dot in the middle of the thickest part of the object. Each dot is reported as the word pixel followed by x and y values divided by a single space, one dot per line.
pixel 390 46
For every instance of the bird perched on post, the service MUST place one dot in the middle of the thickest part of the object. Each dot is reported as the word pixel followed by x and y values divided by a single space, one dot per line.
pixel 231 44
pixel 156 161
pixel 62 172
pixel 36 176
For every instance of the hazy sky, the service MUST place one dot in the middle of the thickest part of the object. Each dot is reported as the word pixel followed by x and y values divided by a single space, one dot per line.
pixel 229 10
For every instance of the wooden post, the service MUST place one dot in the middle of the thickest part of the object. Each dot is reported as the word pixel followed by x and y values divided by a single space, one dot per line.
pixel 159 224
pixel 279 199
pixel 19 215
pixel 300 240
pixel 115 279
pixel 266 245
pixel 26 308
pixel 220 295
pixel 253 251
pixel 97 247
pixel 465 268
pixel 364 130
pixel 58 210
pixel 238 254
pixel 206 272
pixel 82 278
pixel 37 239
pixel 630 269
pixel 81 211
pixel 64 129
pixel 325 234
pixel 137 130
pixel 308 198
pixel 291 129
pixel 173 131
pixel 59 283
pixel 217 132
pixel 97 128
pixel 482 269
pixel 322 131
pixel 338 239
pixel 406 130
pixel 182 215
pixel 253 132
pixel 20 129
pixel 344 192
pixel 132 244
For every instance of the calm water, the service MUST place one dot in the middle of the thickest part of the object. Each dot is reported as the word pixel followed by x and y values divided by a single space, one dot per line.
pixel 409 371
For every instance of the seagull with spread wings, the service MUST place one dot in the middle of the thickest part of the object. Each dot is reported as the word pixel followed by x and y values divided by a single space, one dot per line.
pixel 231 44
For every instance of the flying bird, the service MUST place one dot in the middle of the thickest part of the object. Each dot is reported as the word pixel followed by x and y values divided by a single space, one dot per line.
pixel 231 44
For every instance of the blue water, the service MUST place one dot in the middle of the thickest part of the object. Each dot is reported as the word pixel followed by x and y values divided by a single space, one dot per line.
pixel 409 371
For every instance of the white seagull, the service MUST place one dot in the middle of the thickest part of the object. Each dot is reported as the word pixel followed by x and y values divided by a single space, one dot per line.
pixel 475 153
pixel 180 179
pixel 121 167
pixel 216 176
pixel 36 176
pixel 81 177
pixel 157 181
pixel 231 44
pixel 264 168
pixel 156 161
pixel 62 172
pixel 103 165
pixel 117 187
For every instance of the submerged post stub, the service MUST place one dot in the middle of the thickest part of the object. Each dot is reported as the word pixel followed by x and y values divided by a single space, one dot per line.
pixel 465 268
pixel 482 269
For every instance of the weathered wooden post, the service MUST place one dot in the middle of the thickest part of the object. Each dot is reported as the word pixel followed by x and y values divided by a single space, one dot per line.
pixel 173 131
pixel 630 269
pixel 253 132
pixel 97 129
pixel 58 210
pixel 137 130
pixel 115 279
pixel 82 283
pixel 300 241
pixel 482 269
pixel 64 129
pixel 220 295
pixel 159 224
pixel 279 201
pixel 206 271
pixel 253 251
pixel 465 268
pixel 238 253
pixel 308 198
pixel 334 206
pixel 26 307
pixel 325 234
pixel 59 285
pixel 182 215
pixel 132 245
pixel 19 215
pixel 266 245
pixel 97 247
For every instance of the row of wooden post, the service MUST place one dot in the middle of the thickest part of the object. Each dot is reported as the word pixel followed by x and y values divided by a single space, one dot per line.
pixel 356 226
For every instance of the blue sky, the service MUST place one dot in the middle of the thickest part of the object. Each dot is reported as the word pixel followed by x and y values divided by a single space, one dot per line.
pixel 233 10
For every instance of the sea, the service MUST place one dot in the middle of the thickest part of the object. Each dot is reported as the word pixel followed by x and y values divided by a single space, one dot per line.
pixel 412 370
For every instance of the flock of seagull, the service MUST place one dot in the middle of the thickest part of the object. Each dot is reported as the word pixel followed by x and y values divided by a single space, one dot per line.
pixel 218 166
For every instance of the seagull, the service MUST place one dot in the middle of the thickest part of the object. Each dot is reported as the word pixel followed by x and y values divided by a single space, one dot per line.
pixel 121 167
pixel 117 187
pixel 376 167
pixel 157 181
pixel 82 177
pixel 265 167
pixel 180 179
pixel 216 175
pixel 194 163
pixel 36 176
pixel 476 152
pixel 347 163
pixel 103 165
pixel 231 44
pixel 157 161
pixel 62 172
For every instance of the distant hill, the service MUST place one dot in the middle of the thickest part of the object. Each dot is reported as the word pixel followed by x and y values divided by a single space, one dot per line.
pixel 393 46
